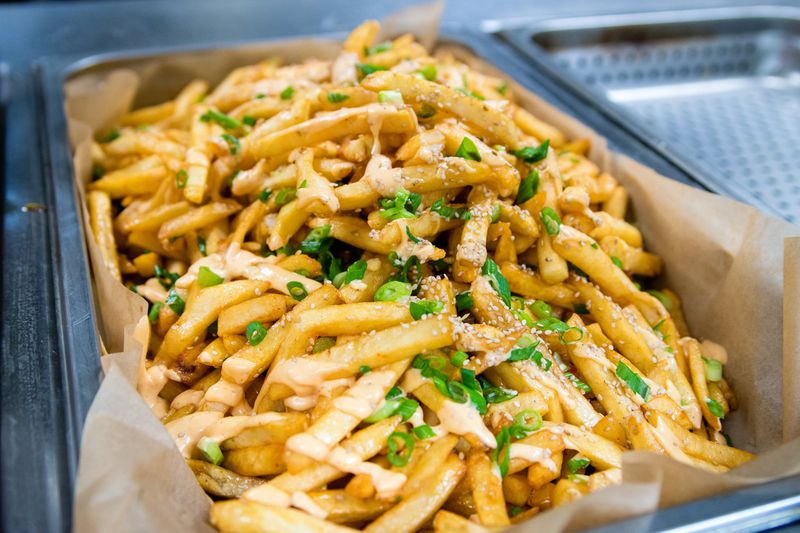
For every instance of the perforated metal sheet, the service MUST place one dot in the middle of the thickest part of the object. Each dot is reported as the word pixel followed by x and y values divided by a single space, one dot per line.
pixel 726 93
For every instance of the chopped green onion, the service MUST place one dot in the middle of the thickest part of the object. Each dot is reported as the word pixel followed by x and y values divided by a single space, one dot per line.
pixel 255 333
pixel 715 408
pixel 502 88
pixel 426 111
pixel 394 442
pixel 366 69
pixel 530 353
pixel 578 478
pixel 495 394
pixel 175 302
pixel 550 220
pixel 495 213
pixel 425 307
pixel 355 272
pixel 665 300
pixel 712 369
pixel 428 72
pixel 394 392
pixel 528 187
pixel 617 261
pixel 390 97
pixel 297 290
pixel 464 301
pixel 323 343
pixel 414 238
pixel 153 314
pixel 207 278
pixel 392 291
pixel 632 379
pixel 287 93
pixel 250 121
pixel 201 246
pixel 497 280
pixel 533 154
pixel 581 309
pixel 447 212
pixel 468 150
pixel 285 196
pixel 406 408
pixel 580 385
pixel 111 137
pixel 541 309
pixel 594 245
pixel 423 432
pixel 514 510
pixel 165 278
pixel 502 452
pixel 403 205
pixel 524 317
pixel 458 358
pixel 227 122
pixel 336 98
pixel 457 391
pixel 232 142
pixel 577 463
pixel 378 48
pixel 525 423
pixel 211 451
pixel 364 369
pixel 97 172
pixel 259 96
pixel 264 195
pixel 315 239
pixel 181 178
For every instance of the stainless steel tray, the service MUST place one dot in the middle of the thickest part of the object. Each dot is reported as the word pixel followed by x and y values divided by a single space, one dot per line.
pixel 720 87
pixel 75 316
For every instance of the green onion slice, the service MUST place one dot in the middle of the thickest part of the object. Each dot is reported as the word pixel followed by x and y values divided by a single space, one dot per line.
pixel 207 278
pixel 395 441
pixel 633 381
pixel 297 290
pixel 255 333
pixel 468 150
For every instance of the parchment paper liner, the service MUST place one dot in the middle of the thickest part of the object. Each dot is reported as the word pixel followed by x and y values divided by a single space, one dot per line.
pixel 737 270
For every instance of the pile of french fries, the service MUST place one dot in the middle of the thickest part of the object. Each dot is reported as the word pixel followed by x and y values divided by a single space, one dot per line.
pixel 385 296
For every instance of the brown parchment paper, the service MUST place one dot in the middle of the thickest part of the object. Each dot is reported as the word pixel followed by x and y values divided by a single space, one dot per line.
pixel 737 270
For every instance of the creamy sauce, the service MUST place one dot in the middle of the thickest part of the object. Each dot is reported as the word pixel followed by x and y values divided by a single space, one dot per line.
pixel 424 249
pixel 225 392
pixel 380 175
pixel 152 291
pixel 239 263
pixel 461 419
pixel 363 398
pixel 238 369
pixel 304 375
pixel 187 397
pixel 151 381
pixel 303 501
pixel 188 430
pixel 533 454
pixel 386 482
pixel 343 71
pixel 301 403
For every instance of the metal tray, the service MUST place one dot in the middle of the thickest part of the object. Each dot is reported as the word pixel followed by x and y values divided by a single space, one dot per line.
pixel 718 89
pixel 74 320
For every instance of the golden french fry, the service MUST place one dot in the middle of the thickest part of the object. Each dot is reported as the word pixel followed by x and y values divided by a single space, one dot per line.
pixel 102 227
pixel 418 508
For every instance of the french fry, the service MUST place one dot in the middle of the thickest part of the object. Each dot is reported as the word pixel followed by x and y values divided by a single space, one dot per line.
pixel 250 517
pixel 420 507
pixel 102 227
